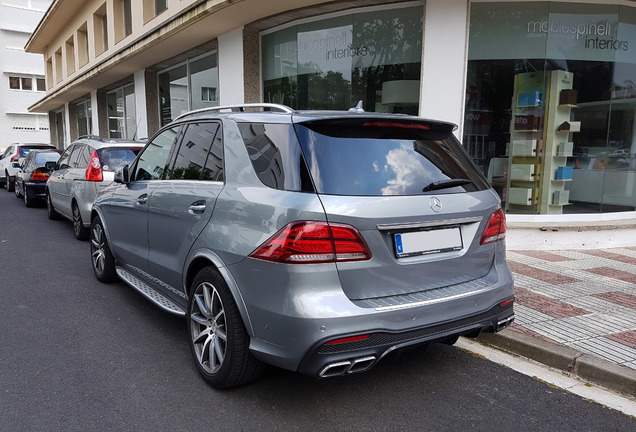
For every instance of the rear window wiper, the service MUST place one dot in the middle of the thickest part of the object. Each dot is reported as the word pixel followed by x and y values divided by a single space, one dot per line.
pixel 445 184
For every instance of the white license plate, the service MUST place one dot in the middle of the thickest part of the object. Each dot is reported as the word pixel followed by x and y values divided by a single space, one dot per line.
pixel 428 242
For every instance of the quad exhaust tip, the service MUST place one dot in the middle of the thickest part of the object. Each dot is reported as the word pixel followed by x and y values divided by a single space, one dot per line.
pixel 347 367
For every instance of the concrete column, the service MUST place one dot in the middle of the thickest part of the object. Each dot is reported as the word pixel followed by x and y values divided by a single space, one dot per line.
pixel 231 85
pixel 94 113
pixel 141 119
pixel 444 61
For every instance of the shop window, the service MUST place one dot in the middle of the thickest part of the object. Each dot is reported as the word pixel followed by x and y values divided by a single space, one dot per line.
pixel 84 117
pixel 121 112
pixel 333 63
pixel 188 86
pixel 551 105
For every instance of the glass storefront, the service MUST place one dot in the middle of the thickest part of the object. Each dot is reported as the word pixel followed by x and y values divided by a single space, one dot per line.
pixel 121 112
pixel 551 105
pixel 84 117
pixel 188 86
pixel 373 56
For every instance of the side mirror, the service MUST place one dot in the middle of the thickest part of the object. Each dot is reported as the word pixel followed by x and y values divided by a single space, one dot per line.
pixel 50 166
pixel 122 175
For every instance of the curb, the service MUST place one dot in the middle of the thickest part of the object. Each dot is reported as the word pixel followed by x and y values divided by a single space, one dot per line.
pixel 611 376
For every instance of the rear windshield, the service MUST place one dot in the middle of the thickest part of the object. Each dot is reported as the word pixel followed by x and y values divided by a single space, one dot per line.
pixel 367 157
pixel 42 158
pixel 116 157
pixel 25 149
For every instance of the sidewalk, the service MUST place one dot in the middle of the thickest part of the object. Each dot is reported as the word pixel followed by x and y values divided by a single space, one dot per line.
pixel 576 311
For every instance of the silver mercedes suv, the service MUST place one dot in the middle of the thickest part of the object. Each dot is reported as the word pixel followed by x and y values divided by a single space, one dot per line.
pixel 318 242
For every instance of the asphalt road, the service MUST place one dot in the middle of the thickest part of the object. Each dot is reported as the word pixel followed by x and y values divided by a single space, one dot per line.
pixel 78 355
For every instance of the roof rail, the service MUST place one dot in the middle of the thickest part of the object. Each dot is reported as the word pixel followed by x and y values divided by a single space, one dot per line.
pixel 241 108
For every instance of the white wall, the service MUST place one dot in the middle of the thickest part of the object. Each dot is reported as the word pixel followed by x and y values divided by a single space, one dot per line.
pixel 444 61
pixel 16 62
pixel 231 85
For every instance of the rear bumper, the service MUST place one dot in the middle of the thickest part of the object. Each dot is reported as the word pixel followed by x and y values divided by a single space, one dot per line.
pixel 293 312
pixel 36 190
pixel 324 360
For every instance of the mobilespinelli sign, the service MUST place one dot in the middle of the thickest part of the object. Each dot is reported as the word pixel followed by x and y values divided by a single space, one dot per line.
pixel 535 30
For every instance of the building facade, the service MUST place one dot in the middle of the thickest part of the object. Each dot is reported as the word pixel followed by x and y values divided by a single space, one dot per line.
pixel 23 82
pixel 543 92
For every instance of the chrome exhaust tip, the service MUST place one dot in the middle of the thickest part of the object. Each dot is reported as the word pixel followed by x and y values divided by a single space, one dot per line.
pixel 335 369
pixel 361 364
pixel 504 323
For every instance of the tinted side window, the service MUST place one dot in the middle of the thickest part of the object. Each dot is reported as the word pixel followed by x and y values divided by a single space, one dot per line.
pixel 83 156
pixel 276 156
pixel 153 160
pixel 193 152
pixel 65 159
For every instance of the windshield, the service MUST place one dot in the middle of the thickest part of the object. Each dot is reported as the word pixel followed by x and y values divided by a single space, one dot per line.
pixel 370 158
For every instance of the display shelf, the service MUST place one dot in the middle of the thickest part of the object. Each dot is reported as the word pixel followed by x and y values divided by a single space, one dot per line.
pixel 545 146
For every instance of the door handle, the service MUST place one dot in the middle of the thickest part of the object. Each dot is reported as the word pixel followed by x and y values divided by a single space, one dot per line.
pixel 143 199
pixel 197 207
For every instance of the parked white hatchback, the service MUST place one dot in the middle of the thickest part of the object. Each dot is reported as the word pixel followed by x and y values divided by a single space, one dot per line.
pixel 86 167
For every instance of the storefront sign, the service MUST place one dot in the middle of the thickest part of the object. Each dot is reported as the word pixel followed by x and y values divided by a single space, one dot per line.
pixel 534 30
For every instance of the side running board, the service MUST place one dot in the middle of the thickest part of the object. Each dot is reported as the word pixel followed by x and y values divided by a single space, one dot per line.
pixel 150 293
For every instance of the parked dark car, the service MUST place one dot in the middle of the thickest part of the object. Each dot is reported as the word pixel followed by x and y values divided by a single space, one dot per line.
pixel 30 182
pixel 12 158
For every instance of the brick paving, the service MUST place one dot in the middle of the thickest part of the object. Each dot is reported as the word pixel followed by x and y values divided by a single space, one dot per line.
pixel 584 299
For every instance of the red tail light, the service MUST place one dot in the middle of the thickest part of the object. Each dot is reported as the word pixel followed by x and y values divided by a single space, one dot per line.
pixel 16 157
pixel 496 229
pixel 314 242
pixel 94 169
pixel 39 175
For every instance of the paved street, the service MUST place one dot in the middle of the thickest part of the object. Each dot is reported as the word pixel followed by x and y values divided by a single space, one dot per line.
pixel 77 355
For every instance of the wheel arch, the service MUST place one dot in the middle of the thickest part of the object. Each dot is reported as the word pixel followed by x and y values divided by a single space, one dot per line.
pixel 205 258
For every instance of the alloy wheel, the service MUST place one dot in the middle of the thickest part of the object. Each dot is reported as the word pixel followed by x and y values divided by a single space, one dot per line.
pixel 208 327
pixel 97 249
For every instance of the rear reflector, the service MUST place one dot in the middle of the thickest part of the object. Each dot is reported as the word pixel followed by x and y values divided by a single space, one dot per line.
pixel 507 302
pixel 348 339
pixel 495 229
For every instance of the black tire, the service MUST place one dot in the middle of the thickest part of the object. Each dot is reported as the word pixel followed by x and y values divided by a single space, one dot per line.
pixel 50 210
pixel 217 335
pixel 81 232
pixel 15 190
pixel 29 201
pixel 10 184
pixel 102 259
